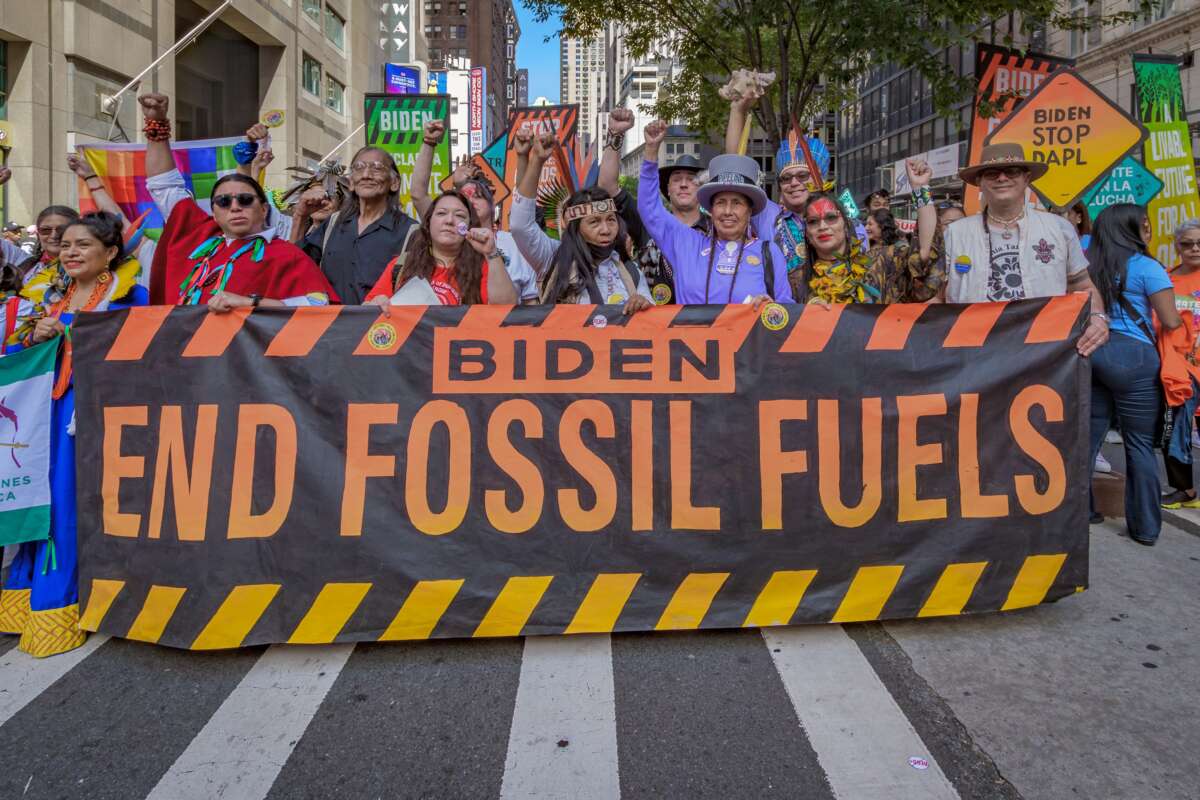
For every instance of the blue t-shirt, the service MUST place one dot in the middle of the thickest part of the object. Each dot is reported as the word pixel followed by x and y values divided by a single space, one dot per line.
pixel 1144 276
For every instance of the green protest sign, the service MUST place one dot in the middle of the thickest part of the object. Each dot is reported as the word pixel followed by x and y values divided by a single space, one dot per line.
pixel 1168 150
pixel 394 123
pixel 1128 182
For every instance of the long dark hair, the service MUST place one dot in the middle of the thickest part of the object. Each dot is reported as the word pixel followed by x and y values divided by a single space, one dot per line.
pixel 1085 218
pixel 421 263
pixel 574 249
pixel 52 211
pixel 107 228
pixel 888 231
pixel 350 203
pixel 1116 236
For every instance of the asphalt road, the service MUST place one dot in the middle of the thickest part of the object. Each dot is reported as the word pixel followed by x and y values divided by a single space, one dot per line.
pixel 1093 697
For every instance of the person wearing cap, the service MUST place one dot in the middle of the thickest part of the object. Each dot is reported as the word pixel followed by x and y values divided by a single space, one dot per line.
pixel 590 262
pixel 470 182
pixel 1011 251
pixel 733 264
pixel 678 182
pixel 783 222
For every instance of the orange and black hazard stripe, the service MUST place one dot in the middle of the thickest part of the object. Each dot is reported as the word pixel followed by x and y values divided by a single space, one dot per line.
pixel 528 605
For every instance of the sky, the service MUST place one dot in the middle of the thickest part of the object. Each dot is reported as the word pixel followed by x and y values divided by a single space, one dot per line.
pixel 540 58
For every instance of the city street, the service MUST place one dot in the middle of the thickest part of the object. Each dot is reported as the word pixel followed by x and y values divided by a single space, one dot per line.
pixel 1093 697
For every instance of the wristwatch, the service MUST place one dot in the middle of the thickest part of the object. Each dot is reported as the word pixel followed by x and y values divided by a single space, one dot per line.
pixel 255 299
pixel 1102 316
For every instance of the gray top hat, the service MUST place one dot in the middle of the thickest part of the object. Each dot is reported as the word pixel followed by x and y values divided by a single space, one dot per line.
pixel 733 173
pixel 686 163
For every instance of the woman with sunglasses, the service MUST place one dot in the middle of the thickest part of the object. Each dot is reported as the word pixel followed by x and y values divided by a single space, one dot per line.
pixel 233 259
pixel 839 270
pixel 1182 360
pixel 40 599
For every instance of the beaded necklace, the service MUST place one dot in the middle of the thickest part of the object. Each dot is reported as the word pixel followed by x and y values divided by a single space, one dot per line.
pixel 204 273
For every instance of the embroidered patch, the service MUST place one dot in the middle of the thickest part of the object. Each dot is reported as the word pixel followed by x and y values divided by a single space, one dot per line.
pixel 753 261
pixel 962 264
pixel 661 294
pixel 774 316
pixel 1044 251
pixel 382 336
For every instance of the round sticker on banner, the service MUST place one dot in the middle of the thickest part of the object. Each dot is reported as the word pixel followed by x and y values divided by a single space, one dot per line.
pixel 962 264
pixel 273 118
pixel 661 294
pixel 774 316
pixel 916 762
pixel 382 336
pixel 599 321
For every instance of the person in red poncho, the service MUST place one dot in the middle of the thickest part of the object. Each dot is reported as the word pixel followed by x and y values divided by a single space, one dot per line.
pixel 232 259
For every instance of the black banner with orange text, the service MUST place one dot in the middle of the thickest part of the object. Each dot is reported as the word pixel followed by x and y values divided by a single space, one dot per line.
pixel 328 474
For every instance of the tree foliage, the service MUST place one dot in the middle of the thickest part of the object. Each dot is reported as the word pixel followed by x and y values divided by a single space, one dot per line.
pixel 818 50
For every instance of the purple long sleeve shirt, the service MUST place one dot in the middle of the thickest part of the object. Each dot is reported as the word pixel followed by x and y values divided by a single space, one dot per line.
pixel 688 251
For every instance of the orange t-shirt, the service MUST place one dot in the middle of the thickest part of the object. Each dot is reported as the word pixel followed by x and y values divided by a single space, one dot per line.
pixel 1178 348
pixel 444 284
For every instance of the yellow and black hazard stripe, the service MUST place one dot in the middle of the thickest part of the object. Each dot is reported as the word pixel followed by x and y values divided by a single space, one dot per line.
pixel 429 609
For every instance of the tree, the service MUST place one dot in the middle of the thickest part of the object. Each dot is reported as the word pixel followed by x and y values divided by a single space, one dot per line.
pixel 818 50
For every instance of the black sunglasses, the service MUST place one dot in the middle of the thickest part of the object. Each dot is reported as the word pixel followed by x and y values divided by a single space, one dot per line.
pixel 244 200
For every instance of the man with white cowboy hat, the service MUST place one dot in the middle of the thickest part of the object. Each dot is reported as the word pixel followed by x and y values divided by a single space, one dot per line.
pixel 1012 251
pixel 733 265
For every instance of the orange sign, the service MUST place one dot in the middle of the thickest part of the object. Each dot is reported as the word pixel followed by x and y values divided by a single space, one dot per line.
pixel 500 191
pixel 1079 133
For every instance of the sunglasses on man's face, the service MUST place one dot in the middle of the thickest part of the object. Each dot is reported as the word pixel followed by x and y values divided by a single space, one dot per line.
pixel 794 177
pixel 1189 244
pixel 1012 173
pixel 244 200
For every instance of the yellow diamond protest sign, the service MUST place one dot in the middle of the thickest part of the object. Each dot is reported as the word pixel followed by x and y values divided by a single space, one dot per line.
pixel 1069 125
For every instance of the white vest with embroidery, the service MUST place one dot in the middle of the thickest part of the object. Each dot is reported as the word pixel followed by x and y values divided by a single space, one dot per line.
pixel 1043 246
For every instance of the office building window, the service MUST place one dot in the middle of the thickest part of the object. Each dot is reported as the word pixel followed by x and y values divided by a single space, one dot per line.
pixel 1083 40
pixel 335 28
pixel 311 75
pixel 335 95
pixel 312 10
pixel 1161 11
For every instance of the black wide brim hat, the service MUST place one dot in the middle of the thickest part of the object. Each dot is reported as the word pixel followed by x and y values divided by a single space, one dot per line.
pixel 688 163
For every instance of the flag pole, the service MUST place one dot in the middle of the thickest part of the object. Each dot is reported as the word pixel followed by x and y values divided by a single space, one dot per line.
pixel 342 143
pixel 112 105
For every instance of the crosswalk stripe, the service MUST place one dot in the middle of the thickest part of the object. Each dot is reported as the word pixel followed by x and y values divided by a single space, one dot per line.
pixel 563 740
pixel 23 677
pixel 246 742
pixel 862 739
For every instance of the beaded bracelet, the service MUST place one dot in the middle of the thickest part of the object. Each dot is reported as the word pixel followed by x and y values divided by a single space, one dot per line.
pixel 922 197
pixel 157 130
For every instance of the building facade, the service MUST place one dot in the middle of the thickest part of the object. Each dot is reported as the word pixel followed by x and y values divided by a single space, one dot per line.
pixel 474 33
pixel 893 117
pixel 582 80
pixel 60 61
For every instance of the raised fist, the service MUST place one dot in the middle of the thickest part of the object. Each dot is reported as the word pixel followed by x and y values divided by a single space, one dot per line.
pixel 154 105
pixel 544 144
pixel 655 133
pixel 433 131
pixel 257 132
pixel 919 173
pixel 79 165
pixel 523 139
pixel 620 120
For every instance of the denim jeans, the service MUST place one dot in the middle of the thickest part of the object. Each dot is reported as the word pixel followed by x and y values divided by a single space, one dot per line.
pixel 1125 384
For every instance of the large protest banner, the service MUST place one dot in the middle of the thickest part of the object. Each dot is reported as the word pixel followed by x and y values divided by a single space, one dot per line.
pixel 1073 128
pixel 1003 78
pixel 1168 151
pixel 394 123
pixel 328 474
